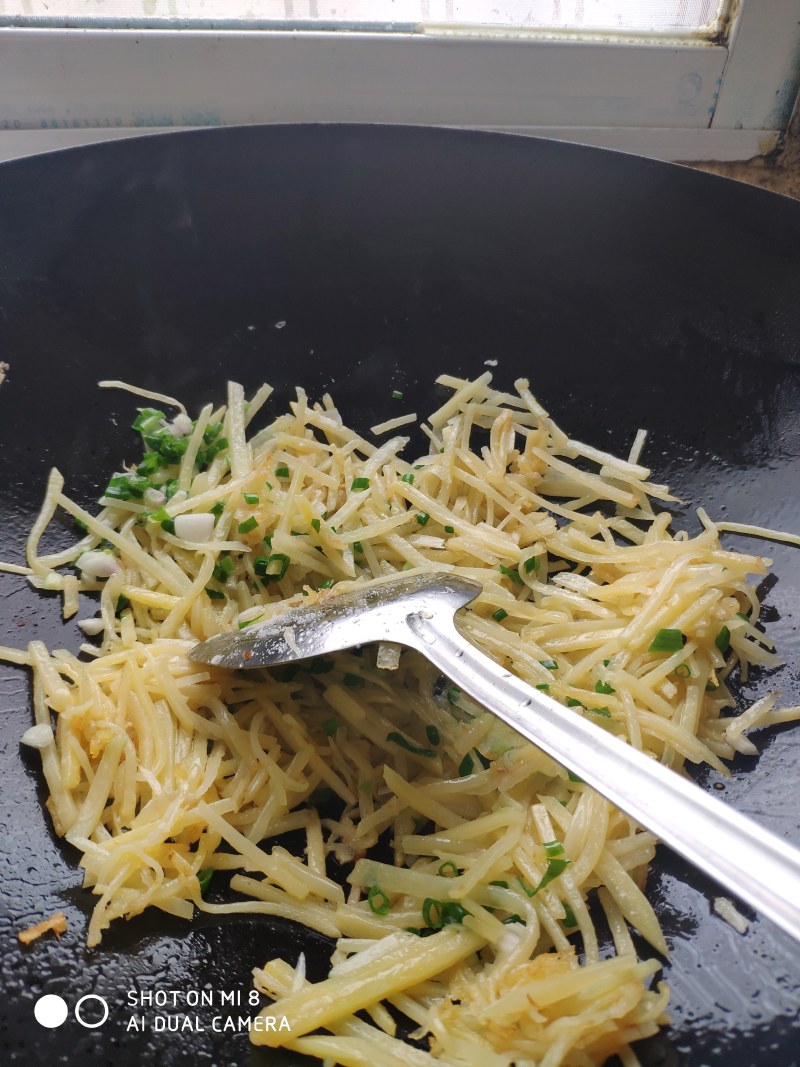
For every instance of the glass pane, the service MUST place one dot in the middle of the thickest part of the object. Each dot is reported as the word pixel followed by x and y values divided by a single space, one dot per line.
pixel 619 16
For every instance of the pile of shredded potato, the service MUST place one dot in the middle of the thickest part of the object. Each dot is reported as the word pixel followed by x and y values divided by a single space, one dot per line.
pixel 473 853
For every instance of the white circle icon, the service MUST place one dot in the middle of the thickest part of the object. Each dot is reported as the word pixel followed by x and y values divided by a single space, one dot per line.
pixel 50 1010
pixel 98 1022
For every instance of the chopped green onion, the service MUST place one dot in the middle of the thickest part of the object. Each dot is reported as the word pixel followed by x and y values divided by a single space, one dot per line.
pixel 354 681
pixel 433 735
pixel 121 605
pixel 453 693
pixel 206 455
pixel 423 518
pixel 500 883
pixel 212 432
pixel 448 870
pixel 223 569
pixel 408 478
pixel 515 918
pixel 261 566
pixel 218 509
pixel 573 703
pixel 249 622
pixel 378 901
pixel 357 546
pixel 331 726
pixel 204 878
pixel 250 498
pixel 667 641
pixel 606 662
pixel 510 572
pixel 683 670
pixel 409 746
pixel 574 777
pixel 711 688
pixel 397 394
pixel 248 525
pixel 723 640
pixel 553 848
pixel 554 869
pixel 531 564
pixel 543 685
pixel 604 712
pixel 315 525
pixel 81 525
pixel 215 594
pixel 282 472
pixel 500 614
pixel 604 687
pixel 466 766
pixel 148 419
pixel 149 463
pixel 569 915
pixel 550 664
pixel 743 615
pixel 268 485
pixel 171 449
pixel 440 913
pixel 127 487
pixel 326 584
pixel 450 529
pixel 359 483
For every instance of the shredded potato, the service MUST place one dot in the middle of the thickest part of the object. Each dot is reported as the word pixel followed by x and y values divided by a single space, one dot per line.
pixel 476 922
pixel 57 923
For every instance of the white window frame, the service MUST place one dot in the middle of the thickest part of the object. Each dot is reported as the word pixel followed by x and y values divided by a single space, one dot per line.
pixel 689 98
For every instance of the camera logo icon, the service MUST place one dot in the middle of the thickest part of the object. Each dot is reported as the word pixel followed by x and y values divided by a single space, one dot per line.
pixel 51 1011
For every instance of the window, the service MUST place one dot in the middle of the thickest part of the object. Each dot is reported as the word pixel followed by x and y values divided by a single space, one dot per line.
pixel 617 16
pixel 675 79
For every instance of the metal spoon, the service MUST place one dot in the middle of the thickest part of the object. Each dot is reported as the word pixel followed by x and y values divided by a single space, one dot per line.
pixel 418 612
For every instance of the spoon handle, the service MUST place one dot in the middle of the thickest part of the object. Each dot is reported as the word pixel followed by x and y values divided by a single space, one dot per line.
pixel 752 863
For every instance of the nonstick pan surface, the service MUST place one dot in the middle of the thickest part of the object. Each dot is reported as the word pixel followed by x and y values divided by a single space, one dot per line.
pixel 362 260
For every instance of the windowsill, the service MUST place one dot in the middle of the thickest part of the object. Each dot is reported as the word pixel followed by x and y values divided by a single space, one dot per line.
pixel 779 171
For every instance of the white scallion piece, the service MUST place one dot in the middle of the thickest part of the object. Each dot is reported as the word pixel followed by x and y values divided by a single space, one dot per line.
pixel 94 565
pixel 733 917
pixel 39 736
pixel 197 528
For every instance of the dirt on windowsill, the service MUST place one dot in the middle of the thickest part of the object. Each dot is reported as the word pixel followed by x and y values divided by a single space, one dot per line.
pixel 780 171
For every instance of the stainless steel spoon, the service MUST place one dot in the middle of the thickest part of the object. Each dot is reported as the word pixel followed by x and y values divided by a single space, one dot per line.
pixel 418 612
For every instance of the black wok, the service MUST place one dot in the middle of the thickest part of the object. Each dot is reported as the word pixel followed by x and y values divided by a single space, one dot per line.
pixel 632 293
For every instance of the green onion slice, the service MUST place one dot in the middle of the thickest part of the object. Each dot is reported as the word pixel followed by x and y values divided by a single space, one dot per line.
pixel 667 641
pixel 378 901
pixel 409 746
pixel 512 573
